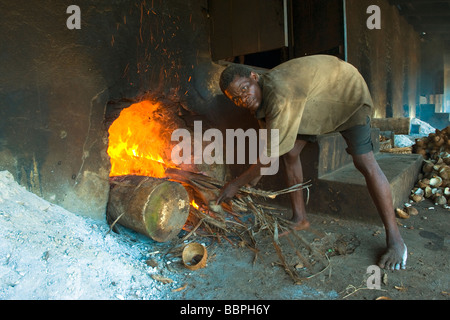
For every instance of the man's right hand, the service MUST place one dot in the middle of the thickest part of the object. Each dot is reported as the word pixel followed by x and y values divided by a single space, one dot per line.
pixel 228 192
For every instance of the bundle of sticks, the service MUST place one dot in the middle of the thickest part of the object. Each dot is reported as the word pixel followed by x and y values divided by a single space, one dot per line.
pixel 225 221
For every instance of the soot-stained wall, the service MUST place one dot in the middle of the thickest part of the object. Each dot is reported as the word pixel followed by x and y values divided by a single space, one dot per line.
pixel 55 84
pixel 388 58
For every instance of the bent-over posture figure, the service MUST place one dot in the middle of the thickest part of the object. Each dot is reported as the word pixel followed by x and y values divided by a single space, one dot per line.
pixel 303 98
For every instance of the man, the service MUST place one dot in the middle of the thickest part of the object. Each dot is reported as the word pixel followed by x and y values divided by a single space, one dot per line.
pixel 302 98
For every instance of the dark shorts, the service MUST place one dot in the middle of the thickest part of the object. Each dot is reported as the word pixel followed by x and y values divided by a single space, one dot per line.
pixel 358 139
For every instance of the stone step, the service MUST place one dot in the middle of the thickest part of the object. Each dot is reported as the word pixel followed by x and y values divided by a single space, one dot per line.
pixel 330 152
pixel 343 193
pixel 338 188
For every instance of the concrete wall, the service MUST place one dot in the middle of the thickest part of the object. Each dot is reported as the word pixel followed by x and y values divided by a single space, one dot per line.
pixel 388 58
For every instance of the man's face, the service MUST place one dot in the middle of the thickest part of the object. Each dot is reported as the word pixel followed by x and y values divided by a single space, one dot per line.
pixel 245 92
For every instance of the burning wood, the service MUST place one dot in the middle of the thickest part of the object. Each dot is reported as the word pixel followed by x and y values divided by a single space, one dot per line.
pixel 156 207
pixel 225 221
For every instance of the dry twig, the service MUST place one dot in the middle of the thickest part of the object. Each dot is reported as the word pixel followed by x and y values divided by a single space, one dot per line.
pixel 214 219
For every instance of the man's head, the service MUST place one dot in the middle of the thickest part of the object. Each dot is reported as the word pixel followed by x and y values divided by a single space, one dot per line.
pixel 240 84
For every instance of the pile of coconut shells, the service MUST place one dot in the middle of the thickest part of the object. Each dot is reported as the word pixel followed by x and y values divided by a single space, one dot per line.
pixel 434 180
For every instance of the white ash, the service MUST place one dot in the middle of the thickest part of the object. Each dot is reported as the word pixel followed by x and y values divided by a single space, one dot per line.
pixel 48 253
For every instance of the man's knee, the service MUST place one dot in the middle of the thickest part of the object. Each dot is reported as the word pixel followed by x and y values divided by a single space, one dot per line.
pixel 366 163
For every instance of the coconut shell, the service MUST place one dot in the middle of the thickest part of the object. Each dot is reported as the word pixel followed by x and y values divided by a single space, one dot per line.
pixel 444 172
pixel 412 211
pixel 440 200
pixel 439 143
pixel 447 192
pixel 435 182
pixel 422 152
pixel 423 183
pixel 428 166
pixel 402 214
pixel 194 256
pixel 437 192
pixel 420 143
pixel 416 197
pixel 428 192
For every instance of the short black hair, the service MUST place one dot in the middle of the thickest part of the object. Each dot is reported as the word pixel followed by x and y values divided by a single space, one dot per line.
pixel 231 72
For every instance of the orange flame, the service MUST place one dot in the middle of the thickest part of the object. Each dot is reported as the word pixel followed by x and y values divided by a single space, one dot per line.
pixel 195 205
pixel 138 141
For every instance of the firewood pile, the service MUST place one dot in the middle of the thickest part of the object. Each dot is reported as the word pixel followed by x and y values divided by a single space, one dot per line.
pixel 225 222
pixel 204 211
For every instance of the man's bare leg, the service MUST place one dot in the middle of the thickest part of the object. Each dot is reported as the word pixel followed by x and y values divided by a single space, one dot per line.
pixel 294 175
pixel 380 192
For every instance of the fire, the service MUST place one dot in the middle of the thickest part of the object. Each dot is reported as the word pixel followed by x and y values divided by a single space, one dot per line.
pixel 195 205
pixel 138 141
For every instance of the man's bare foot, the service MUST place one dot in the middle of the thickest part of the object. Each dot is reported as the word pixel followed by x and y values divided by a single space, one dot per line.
pixel 296 226
pixel 394 257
